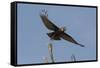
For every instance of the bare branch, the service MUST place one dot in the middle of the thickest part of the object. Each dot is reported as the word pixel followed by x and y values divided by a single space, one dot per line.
pixel 50 47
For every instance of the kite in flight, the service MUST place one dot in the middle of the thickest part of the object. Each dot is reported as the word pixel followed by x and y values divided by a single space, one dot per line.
pixel 57 33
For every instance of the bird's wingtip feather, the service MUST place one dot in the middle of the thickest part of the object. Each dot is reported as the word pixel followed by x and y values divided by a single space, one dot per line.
pixel 81 45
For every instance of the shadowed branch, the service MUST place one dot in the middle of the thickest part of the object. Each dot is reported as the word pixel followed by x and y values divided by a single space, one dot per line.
pixel 73 58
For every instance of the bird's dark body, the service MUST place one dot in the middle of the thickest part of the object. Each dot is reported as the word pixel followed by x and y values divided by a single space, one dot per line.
pixel 55 35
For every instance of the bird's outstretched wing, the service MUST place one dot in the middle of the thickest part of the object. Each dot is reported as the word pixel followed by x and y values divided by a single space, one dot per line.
pixel 48 23
pixel 69 38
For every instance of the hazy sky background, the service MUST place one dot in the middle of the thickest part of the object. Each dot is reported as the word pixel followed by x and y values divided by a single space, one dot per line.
pixel 80 23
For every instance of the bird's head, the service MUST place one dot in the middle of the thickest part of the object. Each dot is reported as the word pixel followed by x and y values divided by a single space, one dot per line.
pixel 63 28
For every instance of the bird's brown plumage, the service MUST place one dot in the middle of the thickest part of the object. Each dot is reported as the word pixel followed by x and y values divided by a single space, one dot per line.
pixel 48 23
pixel 57 34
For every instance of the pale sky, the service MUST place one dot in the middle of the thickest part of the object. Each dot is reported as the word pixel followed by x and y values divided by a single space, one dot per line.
pixel 33 41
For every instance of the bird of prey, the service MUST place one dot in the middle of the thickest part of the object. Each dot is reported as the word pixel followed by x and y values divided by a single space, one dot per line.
pixel 57 33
